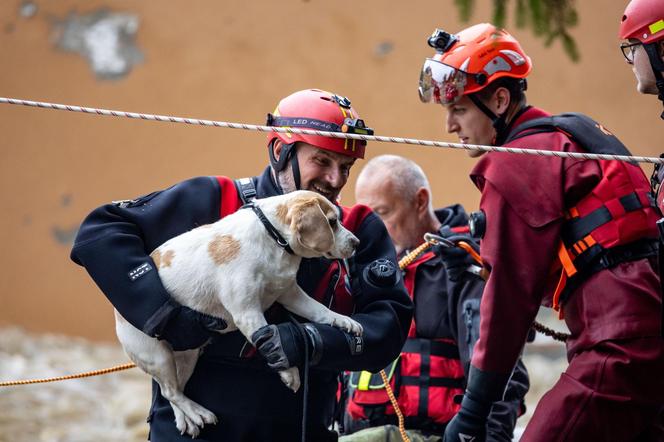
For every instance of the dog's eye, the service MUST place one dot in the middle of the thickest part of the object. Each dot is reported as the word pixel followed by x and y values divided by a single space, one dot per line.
pixel 333 222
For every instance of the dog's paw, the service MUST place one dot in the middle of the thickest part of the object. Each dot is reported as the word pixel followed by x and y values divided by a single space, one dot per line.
pixel 192 417
pixel 184 424
pixel 347 324
pixel 291 377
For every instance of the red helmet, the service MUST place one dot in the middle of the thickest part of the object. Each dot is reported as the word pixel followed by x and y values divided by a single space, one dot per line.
pixel 643 20
pixel 319 110
pixel 468 61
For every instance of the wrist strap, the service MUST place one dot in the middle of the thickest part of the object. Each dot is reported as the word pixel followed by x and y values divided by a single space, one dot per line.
pixel 156 323
pixel 316 342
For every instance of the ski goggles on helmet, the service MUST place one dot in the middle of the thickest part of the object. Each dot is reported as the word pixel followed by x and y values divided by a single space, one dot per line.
pixel 442 83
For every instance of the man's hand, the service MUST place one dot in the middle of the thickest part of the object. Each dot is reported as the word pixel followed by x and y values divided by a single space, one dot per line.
pixel 187 329
pixel 283 345
pixel 469 424
pixel 484 388
pixel 456 259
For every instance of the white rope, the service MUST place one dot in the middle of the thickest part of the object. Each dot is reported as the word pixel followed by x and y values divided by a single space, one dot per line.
pixel 382 139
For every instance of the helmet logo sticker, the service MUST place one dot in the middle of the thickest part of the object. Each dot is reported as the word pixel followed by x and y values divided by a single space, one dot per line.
pixel 464 65
pixel 656 27
pixel 516 58
pixel 496 65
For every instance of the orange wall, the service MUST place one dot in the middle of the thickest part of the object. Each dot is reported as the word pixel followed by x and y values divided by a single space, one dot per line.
pixel 232 61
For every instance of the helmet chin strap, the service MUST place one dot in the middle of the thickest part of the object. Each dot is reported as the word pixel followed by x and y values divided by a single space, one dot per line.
pixel 503 128
pixel 287 156
pixel 657 67
pixel 498 121
pixel 295 167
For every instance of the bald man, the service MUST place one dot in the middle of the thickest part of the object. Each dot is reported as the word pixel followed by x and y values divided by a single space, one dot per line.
pixel 446 290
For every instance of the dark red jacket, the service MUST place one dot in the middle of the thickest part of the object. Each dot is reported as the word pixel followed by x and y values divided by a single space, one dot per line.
pixel 524 198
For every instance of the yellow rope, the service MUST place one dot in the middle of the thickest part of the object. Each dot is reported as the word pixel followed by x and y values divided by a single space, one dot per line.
pixel 395 405
pixel 408 259
pixel 71 376
pixel 403 263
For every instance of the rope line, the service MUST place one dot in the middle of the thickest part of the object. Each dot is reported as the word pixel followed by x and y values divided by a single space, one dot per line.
pixel 404 262
pixel 382 139
pixel 546 331
pixel 395 405
pixel 71 376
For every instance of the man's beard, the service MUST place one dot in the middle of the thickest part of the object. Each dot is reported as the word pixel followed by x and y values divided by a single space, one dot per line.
pixel 331 194
pixel 286 180
pixel 287 183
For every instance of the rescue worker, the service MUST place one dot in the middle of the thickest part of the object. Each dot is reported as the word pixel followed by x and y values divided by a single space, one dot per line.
pixel 578 235
pixel 244 391
pixel 642 25
pixel 446 291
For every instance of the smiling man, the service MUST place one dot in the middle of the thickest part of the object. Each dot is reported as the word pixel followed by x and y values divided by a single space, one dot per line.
pixel 577 235
pixel 242 388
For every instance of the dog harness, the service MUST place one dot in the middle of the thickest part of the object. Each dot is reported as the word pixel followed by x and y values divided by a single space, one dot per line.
pixel 334 289
pixel 271 230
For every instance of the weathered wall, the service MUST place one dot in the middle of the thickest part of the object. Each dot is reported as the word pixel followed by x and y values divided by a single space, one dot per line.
pixel 233 60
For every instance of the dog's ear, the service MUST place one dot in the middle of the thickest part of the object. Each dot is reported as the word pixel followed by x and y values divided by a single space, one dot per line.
pixel 310 226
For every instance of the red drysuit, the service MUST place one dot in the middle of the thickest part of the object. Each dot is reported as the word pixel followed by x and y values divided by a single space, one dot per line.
pixel 615 379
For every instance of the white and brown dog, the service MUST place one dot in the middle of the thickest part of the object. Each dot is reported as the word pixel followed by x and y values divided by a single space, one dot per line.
pixel 235 270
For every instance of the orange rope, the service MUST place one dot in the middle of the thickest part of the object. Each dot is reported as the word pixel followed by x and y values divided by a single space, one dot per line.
pixel 403 263
pixel 408 259
pixel 484 274
pixel 395 405
pixel 71 376
pixel 469 249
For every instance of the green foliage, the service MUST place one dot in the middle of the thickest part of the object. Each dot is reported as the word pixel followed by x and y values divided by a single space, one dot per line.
pixel 465 8
pixel 550 20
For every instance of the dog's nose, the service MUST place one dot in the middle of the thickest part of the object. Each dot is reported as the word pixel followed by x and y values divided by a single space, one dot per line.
pixel 354 242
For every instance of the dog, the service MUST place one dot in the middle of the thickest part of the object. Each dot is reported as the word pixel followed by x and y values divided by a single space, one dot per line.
pixel 235 269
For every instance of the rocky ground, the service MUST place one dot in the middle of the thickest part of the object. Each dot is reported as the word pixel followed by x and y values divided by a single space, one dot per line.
pixel 113 407
pixel 108 408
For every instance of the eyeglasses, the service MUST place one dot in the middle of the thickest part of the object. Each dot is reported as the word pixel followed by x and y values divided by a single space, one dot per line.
pixel 628 50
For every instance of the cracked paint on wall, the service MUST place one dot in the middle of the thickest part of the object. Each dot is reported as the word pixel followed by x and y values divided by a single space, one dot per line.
pixel 105 38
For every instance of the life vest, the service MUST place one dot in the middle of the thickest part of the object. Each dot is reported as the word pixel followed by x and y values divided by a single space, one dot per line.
pixel 425 378
pixel 613 223
pixel 334 289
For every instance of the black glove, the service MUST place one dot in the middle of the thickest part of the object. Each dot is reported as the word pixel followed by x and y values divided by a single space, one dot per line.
pixel 469 424
pixel 456 259
pixel 186 328
pixel 283 345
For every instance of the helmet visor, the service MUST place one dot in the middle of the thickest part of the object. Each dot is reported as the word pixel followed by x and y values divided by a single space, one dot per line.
pixel 441 83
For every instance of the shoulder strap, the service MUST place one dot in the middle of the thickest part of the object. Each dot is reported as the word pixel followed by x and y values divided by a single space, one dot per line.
pixel 591 135
pixel 246 189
